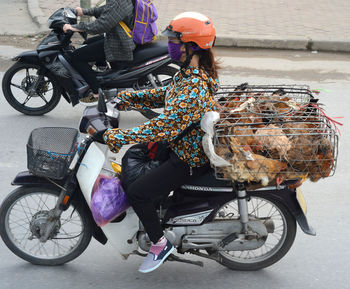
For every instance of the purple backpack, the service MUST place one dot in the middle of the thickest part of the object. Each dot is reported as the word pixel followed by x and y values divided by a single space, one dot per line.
pixel 145 28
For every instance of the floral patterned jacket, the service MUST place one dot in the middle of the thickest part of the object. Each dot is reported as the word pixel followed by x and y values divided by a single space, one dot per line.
pixel 185 101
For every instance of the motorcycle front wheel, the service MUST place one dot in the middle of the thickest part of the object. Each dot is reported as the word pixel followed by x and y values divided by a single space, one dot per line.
pixel 28 91
pixel 279 240
pixel 25 211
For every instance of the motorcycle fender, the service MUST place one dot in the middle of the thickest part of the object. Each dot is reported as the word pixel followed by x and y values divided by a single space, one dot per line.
pixel 28 57
pixel 97 232
pixel 26 179
pixel 289 199
pixel 49 53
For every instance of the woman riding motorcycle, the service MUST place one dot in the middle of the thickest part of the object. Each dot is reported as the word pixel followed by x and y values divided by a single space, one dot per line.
pixel 191 36
pixel 115 47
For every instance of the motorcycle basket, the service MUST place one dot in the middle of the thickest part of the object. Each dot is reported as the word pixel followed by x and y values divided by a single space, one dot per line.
pixel 273 133
pixel 50 151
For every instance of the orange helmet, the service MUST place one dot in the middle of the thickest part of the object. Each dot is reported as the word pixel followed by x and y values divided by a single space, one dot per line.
pixel 192 27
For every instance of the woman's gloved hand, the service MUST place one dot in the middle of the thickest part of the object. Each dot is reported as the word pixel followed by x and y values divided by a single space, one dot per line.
pixel 121 105
pixel 98 136
pixel 111 141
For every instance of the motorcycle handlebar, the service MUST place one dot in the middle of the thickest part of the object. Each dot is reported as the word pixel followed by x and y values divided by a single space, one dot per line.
pixel 97 126
pixel 68 35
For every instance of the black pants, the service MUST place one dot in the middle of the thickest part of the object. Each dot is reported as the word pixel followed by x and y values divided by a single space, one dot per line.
pixel 159 182
pixel 92 52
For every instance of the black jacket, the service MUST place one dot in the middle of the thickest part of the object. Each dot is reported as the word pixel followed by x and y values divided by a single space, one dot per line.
pixel 118 45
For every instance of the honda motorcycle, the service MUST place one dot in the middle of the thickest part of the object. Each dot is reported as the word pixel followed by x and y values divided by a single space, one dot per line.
pixel 47 219
pixel 35 83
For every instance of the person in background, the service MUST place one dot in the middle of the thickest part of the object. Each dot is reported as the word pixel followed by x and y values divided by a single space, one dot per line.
pixel 191 37
pixel 115 47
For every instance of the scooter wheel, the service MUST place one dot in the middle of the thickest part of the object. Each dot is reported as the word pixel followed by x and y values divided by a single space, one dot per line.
pixel 28 91
pixel 281 227
pixel 23 217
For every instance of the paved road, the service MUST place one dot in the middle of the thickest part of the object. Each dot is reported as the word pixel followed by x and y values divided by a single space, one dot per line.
pixel 320 262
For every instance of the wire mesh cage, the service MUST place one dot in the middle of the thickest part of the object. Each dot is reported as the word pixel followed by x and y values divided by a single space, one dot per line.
pixel 273 133
pixel 50 151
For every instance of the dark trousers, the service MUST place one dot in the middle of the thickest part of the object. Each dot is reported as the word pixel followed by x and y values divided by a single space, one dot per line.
pixel 92 52
pixel 159 182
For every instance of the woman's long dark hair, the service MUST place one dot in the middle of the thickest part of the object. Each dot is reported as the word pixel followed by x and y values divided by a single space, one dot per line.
pixel 208 62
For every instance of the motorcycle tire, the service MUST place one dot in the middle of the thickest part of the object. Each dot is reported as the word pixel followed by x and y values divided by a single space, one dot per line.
pixel 163 70
pixel 42 105
pixel 250 261
pixel 21 218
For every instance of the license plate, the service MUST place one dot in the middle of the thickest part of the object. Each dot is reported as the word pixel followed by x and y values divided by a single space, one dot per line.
pixel 301 200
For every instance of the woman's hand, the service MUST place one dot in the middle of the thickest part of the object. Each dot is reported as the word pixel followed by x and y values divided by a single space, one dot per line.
pixel 79 11
pixel 110 140
pixel 67 27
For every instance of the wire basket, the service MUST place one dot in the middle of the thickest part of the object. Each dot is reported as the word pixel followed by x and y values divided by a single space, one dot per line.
pixel 50 151
pixel 273 133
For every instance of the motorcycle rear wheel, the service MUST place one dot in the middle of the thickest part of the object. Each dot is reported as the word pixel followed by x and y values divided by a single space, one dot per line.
pixel 25 210
pixel 277 244
pixel 17 83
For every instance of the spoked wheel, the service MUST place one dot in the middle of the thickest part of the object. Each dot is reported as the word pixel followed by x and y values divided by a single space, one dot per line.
pixel 23 217
pixel 29 92
pixel 282 231
pixel 162 77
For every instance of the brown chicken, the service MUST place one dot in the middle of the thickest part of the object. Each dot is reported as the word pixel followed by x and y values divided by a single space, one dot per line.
pixel 249 167
pixel 312 155
pixel 265 169
pixel 324 163
pixel 274 141
pixel 245 136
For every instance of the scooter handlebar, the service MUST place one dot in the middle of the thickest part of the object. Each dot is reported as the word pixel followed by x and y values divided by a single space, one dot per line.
pixel 68 35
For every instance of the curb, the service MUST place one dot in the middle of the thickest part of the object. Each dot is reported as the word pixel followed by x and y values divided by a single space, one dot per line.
pixel 289 43
pixel 267 42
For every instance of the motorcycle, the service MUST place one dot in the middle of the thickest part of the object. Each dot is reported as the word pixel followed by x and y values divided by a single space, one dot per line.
pixel 35 83
pixel 47 219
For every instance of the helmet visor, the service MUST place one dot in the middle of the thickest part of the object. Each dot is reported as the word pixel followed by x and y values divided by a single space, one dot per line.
pixel 170 33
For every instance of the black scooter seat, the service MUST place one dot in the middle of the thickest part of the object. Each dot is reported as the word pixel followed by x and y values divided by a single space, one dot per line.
pixel 142 53
pixel 148 51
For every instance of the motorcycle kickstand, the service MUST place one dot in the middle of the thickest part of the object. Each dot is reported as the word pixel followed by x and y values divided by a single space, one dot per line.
pixel 173 257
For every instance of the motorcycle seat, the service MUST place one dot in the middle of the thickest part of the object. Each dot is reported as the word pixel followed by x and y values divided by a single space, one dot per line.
pixel 148 51
pixel 142 53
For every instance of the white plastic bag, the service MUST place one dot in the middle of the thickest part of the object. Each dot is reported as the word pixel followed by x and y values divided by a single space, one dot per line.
pixel 207 124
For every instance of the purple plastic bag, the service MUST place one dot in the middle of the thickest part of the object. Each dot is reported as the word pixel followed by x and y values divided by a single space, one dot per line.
pixel 108 200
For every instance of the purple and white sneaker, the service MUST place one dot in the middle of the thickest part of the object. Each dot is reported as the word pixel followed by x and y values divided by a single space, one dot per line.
pixel 157 255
